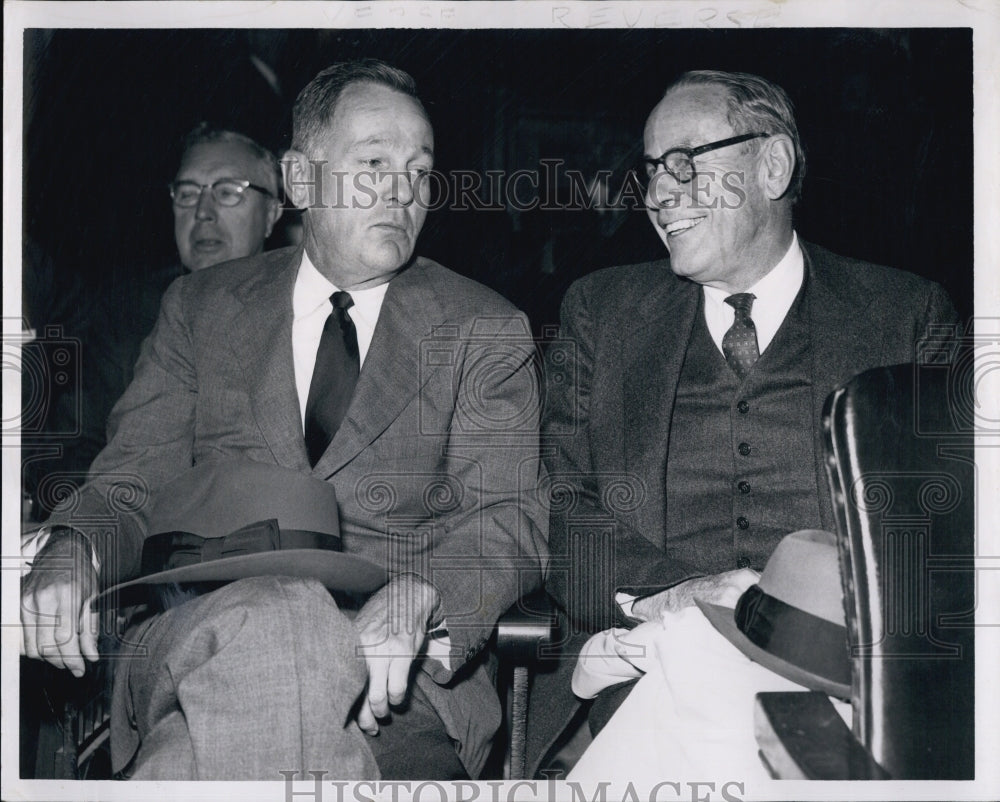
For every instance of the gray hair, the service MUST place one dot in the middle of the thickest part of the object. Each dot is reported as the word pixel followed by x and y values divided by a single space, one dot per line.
pixel 755 105
pixel 315 105
pixel 206 133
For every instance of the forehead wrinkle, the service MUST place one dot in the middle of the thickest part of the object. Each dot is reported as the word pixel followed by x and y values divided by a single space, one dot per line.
pixel 255 171
pixel 389 142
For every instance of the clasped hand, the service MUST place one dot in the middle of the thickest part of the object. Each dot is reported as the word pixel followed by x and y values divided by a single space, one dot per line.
pixel 57 624
pixel 723 589
pixel 392 627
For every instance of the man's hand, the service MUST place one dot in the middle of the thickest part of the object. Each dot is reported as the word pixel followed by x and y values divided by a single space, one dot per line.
pixel 57 624
pixel 392 626
pixel 724 589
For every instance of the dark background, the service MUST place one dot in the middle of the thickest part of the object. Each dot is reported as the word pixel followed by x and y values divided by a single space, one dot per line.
pixel 885 117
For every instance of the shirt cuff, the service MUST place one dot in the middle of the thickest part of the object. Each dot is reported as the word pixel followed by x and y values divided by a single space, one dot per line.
pixel 34 541
pixel 439 645
pixel 625 602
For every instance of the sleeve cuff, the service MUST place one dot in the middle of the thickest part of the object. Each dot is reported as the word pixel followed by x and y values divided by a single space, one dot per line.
pixel 34 541
pixel 625 602
pixel 439 646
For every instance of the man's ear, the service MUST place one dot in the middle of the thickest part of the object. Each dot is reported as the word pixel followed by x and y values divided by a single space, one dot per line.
pixel 777 165
pixel 299 179
pixel 274 210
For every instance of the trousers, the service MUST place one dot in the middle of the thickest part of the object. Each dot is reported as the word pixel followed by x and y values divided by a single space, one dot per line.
pixel 255 678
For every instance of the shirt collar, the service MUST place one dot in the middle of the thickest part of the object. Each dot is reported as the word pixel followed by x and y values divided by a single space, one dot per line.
pixel 782 281
pixel 775 293
pixel 313 290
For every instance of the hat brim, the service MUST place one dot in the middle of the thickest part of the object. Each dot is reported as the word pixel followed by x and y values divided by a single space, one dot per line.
pixel 722 619
pixel 335 569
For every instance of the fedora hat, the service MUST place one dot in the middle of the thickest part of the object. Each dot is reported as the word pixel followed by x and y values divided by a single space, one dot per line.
pixel 792 621
pixel 229 520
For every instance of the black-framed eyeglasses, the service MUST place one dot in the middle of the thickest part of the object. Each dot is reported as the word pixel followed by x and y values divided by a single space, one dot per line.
pixel 679 162
pixel 225 192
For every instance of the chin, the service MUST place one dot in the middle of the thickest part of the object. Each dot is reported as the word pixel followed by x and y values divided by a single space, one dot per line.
pixel 391 256
pixel 681 267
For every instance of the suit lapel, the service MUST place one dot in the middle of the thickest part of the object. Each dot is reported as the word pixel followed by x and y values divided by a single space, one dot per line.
pixel 843 339
pixel 264 348
pixel 391 375
pixel 653 369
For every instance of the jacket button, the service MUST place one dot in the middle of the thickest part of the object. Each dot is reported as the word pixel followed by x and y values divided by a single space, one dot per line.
pixel 743 407
pixel 744 487
pixel 744 449
pixel 742 523
pixel 743 562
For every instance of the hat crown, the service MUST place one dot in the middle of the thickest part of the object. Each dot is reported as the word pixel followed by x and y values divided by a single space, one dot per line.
pixel 216 498
pixel 804 572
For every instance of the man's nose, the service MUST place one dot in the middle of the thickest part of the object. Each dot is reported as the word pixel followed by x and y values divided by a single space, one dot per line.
pixel 205 209
pixel 664 191
pixel 397 188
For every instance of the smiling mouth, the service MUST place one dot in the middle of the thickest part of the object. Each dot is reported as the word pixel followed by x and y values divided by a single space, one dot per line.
pixel 678 227
pixel 208 244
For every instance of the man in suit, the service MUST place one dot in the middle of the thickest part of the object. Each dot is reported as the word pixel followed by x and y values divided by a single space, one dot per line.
pixel 407 387
pixel 684 402
pixel 225 202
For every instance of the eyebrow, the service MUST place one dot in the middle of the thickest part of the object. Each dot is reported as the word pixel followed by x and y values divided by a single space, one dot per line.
pixel 377 140
pixel 686 145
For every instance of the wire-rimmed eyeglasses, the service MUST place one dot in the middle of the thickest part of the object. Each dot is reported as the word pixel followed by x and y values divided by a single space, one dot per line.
pixel 679 162
pixel 225 192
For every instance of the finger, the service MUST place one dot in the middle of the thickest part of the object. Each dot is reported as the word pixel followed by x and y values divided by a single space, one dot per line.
pixel 398 678
pixel 29 624
pixel 67 633
pixel 378 678
pixel 88 634
pixel 50 629
pixel 366 719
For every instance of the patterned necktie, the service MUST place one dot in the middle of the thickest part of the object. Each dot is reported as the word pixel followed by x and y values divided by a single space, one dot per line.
pixel 333 379
pixel 740 342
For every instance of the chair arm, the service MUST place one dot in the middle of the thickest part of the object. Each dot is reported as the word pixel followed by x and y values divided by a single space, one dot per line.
pixel 801 737
pixel 521 633
pixel 525 628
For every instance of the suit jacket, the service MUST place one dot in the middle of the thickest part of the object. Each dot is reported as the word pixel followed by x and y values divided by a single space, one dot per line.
pixel 435 464
pixel 611 382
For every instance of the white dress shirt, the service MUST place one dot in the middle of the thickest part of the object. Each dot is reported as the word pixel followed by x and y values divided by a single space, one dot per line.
pixel 311 307
pixel 775 294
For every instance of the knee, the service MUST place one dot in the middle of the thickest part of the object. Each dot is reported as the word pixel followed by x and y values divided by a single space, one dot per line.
pixel 282 602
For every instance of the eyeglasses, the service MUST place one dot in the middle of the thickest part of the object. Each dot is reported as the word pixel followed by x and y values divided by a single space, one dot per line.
pixel 225 192
pixel 679 162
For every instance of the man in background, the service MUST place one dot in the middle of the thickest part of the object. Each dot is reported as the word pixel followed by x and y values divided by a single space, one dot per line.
pixel 225 202
pixel 226 197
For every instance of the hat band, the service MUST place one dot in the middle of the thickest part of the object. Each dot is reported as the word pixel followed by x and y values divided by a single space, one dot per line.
pixel 801 639
pixel 167 550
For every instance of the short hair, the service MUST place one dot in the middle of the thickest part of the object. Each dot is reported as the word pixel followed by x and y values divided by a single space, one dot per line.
pixel 206 133
pixel 317 102
pixel 755 105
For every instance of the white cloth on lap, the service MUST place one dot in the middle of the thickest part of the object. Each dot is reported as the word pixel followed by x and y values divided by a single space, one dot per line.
pixel 690 717
pixel 614 656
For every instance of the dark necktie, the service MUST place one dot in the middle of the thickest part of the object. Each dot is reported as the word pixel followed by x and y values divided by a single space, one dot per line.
pixel 333 379
pixel 740 343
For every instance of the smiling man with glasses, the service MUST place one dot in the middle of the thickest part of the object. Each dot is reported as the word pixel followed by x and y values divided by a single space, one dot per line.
pixel 683 431
pixel 225 197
